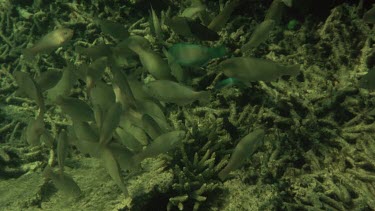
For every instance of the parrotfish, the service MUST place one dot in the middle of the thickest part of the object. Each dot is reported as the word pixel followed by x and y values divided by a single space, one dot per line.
pixel 77 109
pixel 368 81
pixel 244 149
pixel 275 11
pixel 189 28
pixel 187 54
pixel 229 82
pixel 64 85
pixel 49 42
pixel 161 144
pixel 172 92
pixel 30 88
pixel 116 30
pixel 194 10
pixel 62 149
pixel 221 19
pixel 260 34
pixel 288 3
pixel 152 62
pixel 34 130
pixel 155 24
pixel 110 122
pixel 369 16
pixel 113 168
pixel 63 182
pixel 248 69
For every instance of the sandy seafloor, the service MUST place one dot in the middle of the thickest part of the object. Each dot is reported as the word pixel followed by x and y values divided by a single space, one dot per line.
pixel 319 148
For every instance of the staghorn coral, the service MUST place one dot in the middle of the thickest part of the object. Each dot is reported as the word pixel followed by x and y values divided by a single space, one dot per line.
pixel 318 152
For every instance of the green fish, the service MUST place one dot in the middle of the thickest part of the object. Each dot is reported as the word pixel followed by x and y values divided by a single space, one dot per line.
pixel 172 92
pixel 248 69
pixel 193 55
pixel 245 148
pixel 229 82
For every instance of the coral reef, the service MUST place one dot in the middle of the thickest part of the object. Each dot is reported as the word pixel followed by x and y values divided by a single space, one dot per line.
pixel 318 152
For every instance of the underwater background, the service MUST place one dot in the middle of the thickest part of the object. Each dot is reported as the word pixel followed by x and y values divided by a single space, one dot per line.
pixel 187 105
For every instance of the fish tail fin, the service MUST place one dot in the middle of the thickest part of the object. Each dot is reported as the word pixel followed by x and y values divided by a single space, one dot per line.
pixel 28 54
pixel 47 172
pixel 204 97
pixel 293 70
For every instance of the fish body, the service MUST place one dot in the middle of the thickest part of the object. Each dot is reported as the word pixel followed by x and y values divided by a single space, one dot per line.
pixel 172 92
pixel 368 81
pixel 245 148
pixel 77 109
pixel 62 149
pixel 63 182
pixel 229 82
pixel 161 144
pixel 49 42
pixel 34 130
pixel 189 28
pixel 260 35
pixel 275 11
pixel 248 69
pixel 64 85
pixel 113 168
pixel 28 86
pixel 222 18
pixel 116 30
pixel 369 16
pixel 110 123
pixel 153 62
pixel 187 54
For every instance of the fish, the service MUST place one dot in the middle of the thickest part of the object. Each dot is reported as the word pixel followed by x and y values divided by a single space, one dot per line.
pixel 47 139
pixel 30 88
pixel 77 109
pixel 96 51
pixel 62 149
pixel 260 34
pixel 155 24
pixel 288 3
pixel 249 69
pixel 368 81
pixel 63 182
pixel 189 28
pixel 116 30
pixel 222 18
pixel 244 149
pixel 110 122
pixel 153 62
pixel 65 85
pixel 128 140
pixel 49 42
pixel 177 71
pixel 194 10
pixel 94 71
pixel 86 138
pixel 161 144
pixel 113 168
pixel 173 92
pixel 229 82
pixel 48 79
pixel 35 128
pixel 369 16
pixel 151 127
pixel 102 95
pixel 122 89
pixel 275 11
pixel 193 55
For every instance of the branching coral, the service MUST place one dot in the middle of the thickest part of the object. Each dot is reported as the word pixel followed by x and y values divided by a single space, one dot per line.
pixel 318 151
